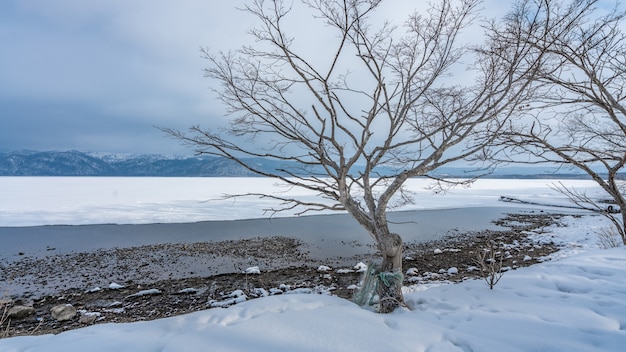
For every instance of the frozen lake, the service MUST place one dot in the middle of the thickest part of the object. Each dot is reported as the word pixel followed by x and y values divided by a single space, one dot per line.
pixel 36 212
pixel 32 201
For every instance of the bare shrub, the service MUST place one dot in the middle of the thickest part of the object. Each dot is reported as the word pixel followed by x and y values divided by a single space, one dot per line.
pixel 609 238
pixel 489 264
pixel 5 321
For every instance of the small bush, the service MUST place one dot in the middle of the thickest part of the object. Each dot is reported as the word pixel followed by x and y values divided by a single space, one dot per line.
pixel 5 322
pixel 609 238
pixel 489 264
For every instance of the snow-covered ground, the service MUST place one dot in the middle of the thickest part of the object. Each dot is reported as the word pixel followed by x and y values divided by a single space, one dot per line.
pixel 574 301
pixel 27 201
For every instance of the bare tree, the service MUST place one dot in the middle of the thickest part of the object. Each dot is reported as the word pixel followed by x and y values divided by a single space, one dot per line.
pixel 578 117
pixel 375 101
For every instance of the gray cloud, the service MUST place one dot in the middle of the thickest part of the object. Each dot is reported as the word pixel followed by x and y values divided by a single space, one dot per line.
pixel 98 75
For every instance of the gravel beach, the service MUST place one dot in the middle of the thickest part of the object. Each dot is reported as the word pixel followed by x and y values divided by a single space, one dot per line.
pixel 142 277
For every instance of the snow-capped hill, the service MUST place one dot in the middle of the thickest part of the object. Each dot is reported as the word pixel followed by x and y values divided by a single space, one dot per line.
pixel 75 163
pixel 27 163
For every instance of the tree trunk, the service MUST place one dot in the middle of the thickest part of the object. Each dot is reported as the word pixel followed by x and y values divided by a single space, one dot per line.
pixel 390 277
pixel 614 189
pixel 623 227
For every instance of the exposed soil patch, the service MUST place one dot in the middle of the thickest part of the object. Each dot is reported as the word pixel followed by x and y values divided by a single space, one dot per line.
pixel 167 280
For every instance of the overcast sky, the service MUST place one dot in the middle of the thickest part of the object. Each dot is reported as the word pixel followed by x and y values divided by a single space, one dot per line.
pixel 98 75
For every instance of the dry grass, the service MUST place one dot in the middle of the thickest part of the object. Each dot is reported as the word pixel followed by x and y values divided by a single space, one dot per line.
pixel 5 320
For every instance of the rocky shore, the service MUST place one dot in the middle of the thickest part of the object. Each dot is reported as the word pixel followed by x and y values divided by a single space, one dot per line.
pixel 68 291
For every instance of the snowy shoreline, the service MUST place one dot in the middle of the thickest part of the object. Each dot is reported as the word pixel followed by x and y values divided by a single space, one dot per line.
pixel 575 301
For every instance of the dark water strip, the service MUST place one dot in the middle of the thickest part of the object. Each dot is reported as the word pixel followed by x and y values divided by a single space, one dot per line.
pixel 325 232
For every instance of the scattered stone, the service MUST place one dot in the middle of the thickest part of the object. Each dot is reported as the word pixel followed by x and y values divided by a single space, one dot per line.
pixel 150 292
pixel 237 293
pixel 20 312
pixel 189 291
pixel 412 271
pixel 115 310
pixel 237 296
pixel 360 267
pixel 63 312
pixel 261 292
pixel 115 286
pixel 252 270
pixel 323 268
pixel 437 251
pixel 472 268
pixel 88 318
pixel 527 258
pixel 276 291
pixel 453 271
pixel 431 276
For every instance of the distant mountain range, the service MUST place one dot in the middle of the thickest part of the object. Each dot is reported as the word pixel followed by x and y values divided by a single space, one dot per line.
pixel 75 163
